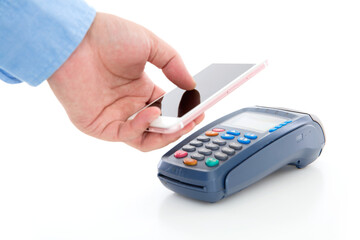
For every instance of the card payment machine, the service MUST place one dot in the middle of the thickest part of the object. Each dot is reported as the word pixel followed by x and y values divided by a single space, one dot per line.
pixel 239 149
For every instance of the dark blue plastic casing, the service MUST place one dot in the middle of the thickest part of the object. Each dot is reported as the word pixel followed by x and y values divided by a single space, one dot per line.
pixel 298 143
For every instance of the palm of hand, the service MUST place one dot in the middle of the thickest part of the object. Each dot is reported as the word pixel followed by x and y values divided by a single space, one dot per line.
pixel 103 83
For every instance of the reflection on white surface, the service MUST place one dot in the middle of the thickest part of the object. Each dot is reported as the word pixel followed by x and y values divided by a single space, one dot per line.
pixel 281 202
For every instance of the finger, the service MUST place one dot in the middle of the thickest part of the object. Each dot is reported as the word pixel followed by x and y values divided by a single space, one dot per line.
pixel 157 92
pixel 166 58
pixel 199 119
pixel 135 128
pixel 156 140
pixel 153 141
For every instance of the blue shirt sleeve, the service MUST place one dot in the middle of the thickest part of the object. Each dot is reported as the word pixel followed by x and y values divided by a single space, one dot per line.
pixel 38 36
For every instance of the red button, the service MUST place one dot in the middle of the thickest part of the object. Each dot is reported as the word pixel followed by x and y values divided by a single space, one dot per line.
pixel 218 130
pixel 180 154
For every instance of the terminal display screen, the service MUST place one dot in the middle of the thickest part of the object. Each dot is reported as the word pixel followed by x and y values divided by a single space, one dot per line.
pixel 258 122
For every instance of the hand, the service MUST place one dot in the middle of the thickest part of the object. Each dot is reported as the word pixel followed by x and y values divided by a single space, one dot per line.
pixel 103 83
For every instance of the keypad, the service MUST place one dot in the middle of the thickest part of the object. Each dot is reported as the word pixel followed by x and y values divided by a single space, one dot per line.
pixel 211 133
pixel 233 132
pixel 279 126
pixel 228 151
pixel 211 162
pixel 272 129
pixel 219 142
pixel 218 130
pixel 205 151
pixel 203 139
pixel 197 156
pixel 214 146
pixel 188 148
pixel 221 156
pixel 250 136
pixel 227 136
pixel 180 154
pixel 190 161
pixel 196 143
pixel 243 140
pixel 235 146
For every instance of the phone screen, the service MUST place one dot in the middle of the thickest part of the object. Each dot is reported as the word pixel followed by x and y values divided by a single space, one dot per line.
pixel 178 102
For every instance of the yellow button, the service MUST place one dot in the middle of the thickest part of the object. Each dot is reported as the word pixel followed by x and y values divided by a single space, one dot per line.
pixel 190 161
pixel 211 133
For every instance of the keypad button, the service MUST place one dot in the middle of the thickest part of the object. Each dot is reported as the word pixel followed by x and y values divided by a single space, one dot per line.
pixel 211 133
pixel 221 156
pixel 203 139
pixel 243 140
pixel 212 146
pixel 235 146
pixel 197 156
pixel 219 142
pixel 250 136
pixel 190 161
pixel 227 136
pixel 283 124
pixel 228 151
pixel 289 121
pixel 188 148
pixel 180 154
pixel 233 132
pixel 211 162
pixel 278 126
pixel 272 129
pixel 218 130
pixel 196 143
pixel 204 151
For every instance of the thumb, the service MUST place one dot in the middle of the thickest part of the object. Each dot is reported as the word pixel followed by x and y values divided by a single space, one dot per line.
pixel 137 126
pixel 166 58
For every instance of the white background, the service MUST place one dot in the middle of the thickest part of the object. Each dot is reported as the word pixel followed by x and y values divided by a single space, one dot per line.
pixel 57 183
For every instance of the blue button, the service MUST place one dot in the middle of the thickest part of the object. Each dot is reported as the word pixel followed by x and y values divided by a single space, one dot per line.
pixel 272 129
pixel 227 136
pixel 289 121
pixel 250 136
pixel 278 126
pixel 243 140
pixel 283 124
pixel 233 132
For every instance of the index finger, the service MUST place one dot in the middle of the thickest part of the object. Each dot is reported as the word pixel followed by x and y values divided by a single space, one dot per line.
pixel 166 58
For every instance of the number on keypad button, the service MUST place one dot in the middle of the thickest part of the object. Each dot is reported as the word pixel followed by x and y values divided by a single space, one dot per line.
pixel 196 143
pixel 204 151
pixel 211 162
pixel 188 148
pixel 212 146
pixel 220 156
pixel 203 139
pixel 235 146
pixel 228 151
pixel 197 156
pixel 219 142
pixel 243 140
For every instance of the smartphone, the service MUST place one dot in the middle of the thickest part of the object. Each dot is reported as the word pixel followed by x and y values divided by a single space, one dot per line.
pixel 179 107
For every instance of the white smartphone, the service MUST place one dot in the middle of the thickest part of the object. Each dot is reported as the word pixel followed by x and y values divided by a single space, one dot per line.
pixel 179 107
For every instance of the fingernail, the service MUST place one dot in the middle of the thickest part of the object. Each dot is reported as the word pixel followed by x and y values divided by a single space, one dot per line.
pixel 194 85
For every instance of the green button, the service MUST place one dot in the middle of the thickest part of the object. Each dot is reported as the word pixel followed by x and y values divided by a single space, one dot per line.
pixel 211 162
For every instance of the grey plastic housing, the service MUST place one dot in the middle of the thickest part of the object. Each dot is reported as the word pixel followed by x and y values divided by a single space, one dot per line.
pixel 298 143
